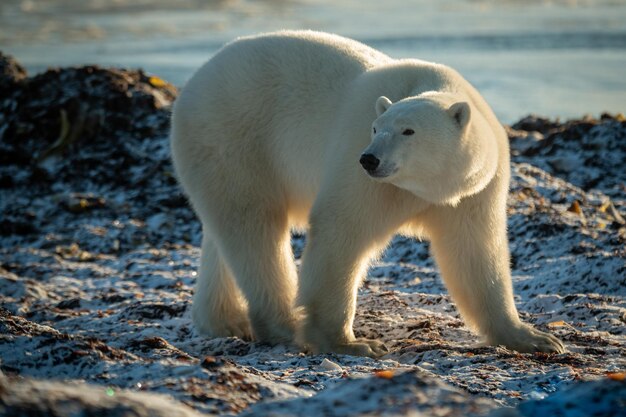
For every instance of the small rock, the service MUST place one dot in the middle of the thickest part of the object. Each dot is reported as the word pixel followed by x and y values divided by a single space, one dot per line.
pixel 211 362
pixel 72 303
pixel 565 165
pixel 328 365
pixel 157 222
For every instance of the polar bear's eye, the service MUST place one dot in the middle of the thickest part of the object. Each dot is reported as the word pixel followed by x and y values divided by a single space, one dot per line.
pixel 408 132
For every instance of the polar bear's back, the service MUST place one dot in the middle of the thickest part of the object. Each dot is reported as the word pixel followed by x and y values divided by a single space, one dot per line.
pixel 285 69
pixel 291 57
pixel 274 95
pixel 261 81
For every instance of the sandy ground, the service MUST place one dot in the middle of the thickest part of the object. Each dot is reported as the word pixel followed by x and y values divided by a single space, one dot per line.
pixel 99 252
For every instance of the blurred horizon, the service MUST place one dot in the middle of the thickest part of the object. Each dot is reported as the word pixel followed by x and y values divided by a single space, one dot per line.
pixel 553 58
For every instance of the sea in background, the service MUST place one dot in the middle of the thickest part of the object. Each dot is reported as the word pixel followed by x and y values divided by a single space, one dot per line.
pixel 553 58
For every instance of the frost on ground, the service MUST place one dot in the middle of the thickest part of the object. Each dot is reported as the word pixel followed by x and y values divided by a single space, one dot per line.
pixel 98 253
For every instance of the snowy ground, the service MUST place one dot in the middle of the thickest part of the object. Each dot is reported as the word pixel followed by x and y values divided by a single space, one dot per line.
pixel 98 253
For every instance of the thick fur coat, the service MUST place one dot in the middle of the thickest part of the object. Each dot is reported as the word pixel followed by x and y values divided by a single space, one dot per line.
pixel 315 131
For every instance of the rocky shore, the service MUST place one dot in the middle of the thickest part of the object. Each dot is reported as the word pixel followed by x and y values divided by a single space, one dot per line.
pixel 98 253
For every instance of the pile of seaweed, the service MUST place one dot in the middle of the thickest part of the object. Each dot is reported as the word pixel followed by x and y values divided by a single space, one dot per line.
pixel 82 135
pixel 587 152
pixel 81 124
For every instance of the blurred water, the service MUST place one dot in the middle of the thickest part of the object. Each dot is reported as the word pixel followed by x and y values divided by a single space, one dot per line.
pixel 555 58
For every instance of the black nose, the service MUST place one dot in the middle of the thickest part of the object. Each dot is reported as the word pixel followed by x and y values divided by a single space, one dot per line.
pixel 369 161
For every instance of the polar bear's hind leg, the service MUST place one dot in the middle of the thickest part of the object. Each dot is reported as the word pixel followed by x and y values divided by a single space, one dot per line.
pixel 255 242
pixel 218 309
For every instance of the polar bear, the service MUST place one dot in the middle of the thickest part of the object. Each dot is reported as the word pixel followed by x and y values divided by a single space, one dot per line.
pixel 301 129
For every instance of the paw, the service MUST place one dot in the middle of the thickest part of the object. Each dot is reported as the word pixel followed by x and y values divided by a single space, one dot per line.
pixel 526 339
pixel 358 347
pixel 321 336
pixel 216 324
pixel 363 347
pixel 273 331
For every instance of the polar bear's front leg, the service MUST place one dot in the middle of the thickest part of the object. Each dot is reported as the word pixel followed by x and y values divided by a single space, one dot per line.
pixel 332 269
pixel 471 248
pixel 339 245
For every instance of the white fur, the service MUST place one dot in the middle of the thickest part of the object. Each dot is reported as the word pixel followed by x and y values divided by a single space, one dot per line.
pixel 267 136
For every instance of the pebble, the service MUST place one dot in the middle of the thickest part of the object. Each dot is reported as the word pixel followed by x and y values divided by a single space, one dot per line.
pixel 328 365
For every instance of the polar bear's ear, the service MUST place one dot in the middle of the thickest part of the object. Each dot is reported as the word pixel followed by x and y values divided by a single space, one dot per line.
pixel 460 112
pixel 382 104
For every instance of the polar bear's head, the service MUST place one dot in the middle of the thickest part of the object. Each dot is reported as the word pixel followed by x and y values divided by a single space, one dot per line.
pixel 431 146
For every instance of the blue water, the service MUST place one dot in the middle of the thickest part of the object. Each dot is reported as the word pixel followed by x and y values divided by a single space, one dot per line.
pixel 554 58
